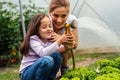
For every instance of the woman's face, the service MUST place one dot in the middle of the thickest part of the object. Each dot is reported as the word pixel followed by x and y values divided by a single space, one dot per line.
pixel 45 29
pixel 59 17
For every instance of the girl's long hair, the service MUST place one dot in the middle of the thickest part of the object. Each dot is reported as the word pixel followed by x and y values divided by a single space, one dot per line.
pixel 33 29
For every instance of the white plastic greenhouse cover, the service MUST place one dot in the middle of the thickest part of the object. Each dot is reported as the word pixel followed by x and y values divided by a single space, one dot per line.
pixel 99 22
pixel 99 25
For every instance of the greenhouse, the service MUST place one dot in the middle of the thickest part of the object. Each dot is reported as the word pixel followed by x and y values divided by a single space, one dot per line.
pixel 98 37
pixel 98 22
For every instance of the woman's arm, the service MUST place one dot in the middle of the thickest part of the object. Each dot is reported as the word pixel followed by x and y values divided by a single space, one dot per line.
pixel 72 20
pixel 75 37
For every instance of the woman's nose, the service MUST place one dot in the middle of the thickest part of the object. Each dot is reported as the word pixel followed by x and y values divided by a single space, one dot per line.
pixel 59 19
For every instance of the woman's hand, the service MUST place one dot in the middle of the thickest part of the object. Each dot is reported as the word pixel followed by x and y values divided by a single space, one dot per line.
pixel 71 41
pixel 69 38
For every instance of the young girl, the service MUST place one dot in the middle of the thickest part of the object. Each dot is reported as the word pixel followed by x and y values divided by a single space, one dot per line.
pixel 59 12
pixel 41 60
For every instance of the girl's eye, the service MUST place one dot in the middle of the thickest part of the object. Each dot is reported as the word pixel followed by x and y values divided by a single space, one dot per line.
pixel 44 27
pixel 50 26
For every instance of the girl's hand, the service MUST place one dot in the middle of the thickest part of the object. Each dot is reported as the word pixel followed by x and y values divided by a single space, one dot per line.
pixel 62 49
pixel 62 39
pixel 54 37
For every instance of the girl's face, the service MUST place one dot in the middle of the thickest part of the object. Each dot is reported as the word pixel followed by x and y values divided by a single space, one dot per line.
pixel 59 16
pixel 45 29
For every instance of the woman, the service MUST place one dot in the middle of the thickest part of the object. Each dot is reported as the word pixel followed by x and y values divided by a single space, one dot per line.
pixel 41 59
pixel 59 12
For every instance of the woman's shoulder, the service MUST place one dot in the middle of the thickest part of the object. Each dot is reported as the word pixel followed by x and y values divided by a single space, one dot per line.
pixel 71 18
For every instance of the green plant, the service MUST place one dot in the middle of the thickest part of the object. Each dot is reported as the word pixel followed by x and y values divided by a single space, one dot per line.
pixel 105 62
pixel 109 69
pixel 30 10
pixel 110 76
pixel 11 29
pixel 10 37
pixel 75 78
pixel 9 76
pixel 117 62
pixel 64 79
pixel 82 73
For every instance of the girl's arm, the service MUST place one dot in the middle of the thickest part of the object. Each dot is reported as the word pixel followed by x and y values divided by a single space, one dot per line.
pixel 42 49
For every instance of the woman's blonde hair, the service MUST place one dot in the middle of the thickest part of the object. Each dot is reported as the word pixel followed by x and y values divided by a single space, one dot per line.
pixel 59 3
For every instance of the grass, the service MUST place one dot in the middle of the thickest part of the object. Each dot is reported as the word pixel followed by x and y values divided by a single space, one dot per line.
pixel 11 72
pixel 9 76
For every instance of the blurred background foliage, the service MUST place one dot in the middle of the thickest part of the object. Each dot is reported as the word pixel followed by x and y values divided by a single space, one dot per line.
pixel 11 34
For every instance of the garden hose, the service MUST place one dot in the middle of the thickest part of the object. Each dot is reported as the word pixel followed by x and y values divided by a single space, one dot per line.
pixel 67 31
pixel 73 58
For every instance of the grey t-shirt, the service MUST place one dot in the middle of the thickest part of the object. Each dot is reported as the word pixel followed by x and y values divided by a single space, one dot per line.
pixel 71 20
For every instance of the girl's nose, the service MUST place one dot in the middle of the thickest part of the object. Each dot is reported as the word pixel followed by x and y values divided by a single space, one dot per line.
pixel 49 28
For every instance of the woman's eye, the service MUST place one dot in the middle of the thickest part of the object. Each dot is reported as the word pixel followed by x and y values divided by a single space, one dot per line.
pixel 63 16
pixel 55 15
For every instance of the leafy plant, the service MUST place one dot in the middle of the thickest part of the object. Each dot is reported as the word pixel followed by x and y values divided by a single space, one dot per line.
pixel 82 73
pixel 117 62
pixel 105 62
pixel 29 11
pixel 109 69
pixel 110 76
pixel 10 37
pixel 11 29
